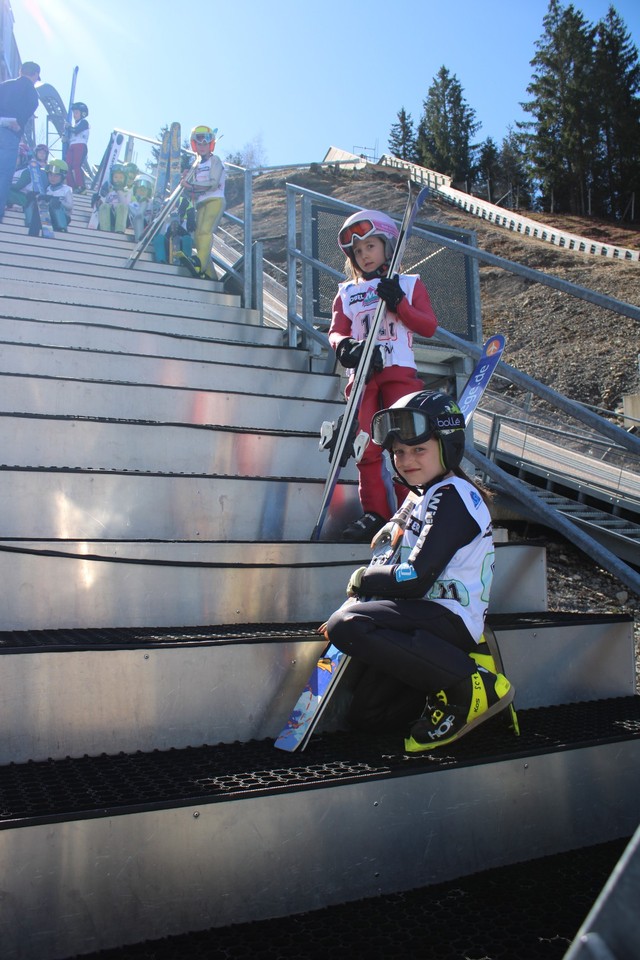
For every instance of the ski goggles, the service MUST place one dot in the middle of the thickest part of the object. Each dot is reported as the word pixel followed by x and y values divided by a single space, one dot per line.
pixel 357 231
pixel 411 426
pixel 203 137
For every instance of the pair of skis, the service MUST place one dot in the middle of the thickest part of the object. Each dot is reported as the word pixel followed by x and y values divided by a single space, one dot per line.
pixel 103 176
pixel 331 666
pixel 168 165
pixel 41 211
pixel 72 96
pixel 341 449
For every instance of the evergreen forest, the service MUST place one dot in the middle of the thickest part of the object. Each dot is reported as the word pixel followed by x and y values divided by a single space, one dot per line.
pixel 578 151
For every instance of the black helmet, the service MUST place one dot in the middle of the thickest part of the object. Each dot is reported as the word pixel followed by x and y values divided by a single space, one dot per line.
pixel 82 107
pixel 418 417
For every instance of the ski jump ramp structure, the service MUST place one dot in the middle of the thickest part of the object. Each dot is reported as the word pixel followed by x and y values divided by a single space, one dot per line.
pixel 441 186
pixel 159 609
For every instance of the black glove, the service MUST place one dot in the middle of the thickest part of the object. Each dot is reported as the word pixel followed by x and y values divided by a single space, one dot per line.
pixel 390 291
pixel 349 352
pixel 377 361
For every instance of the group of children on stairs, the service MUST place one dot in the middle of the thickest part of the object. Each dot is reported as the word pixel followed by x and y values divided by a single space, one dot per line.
pixel 52 176
pixel 127 200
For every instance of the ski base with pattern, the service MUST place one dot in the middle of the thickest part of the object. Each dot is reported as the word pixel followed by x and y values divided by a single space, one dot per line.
pixel 41 210
pixel 332 665
pixel 340 450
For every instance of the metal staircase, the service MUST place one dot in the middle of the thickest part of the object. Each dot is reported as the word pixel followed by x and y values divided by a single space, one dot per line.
pixel 160 599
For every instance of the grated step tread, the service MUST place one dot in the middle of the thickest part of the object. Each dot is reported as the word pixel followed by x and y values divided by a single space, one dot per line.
pixel 87 787
pixel 520 911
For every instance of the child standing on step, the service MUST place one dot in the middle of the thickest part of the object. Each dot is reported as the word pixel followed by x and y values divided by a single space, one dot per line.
pixel 78 138
pixel 207 193
pixel 368 239
pixel 422 638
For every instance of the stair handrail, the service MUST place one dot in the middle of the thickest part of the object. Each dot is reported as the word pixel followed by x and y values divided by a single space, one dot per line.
pixel 554 519
pixel 599 424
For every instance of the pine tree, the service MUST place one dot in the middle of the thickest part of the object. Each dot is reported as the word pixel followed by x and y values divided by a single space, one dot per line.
pixel 448 123
pixel 515 177
pixel 562 139
pixel 402 138
pixel 489 172
pixel 617 84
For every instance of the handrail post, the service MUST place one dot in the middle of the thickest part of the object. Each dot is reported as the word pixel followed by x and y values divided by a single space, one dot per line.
pixel 292 268
pixel 258 274
pixel 248 239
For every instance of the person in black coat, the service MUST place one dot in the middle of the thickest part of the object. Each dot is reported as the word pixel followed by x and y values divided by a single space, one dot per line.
pixel 18 103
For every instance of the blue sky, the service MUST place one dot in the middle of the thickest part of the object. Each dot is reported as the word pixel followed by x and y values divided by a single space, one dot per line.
pixel 296 77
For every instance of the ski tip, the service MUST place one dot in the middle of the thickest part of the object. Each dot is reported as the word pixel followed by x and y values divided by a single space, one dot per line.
pixel 494 345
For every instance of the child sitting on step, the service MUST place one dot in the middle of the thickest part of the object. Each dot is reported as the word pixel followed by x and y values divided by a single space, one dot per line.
pixel 428 668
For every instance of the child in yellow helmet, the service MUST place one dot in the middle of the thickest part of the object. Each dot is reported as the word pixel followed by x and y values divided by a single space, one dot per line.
pixel 207 194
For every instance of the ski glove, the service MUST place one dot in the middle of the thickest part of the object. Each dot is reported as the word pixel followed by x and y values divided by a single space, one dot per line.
pixel 353 587
pixel 349 352
pixel 390 292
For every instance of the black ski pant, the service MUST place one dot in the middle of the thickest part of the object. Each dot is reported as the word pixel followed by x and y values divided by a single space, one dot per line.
pixel 410 647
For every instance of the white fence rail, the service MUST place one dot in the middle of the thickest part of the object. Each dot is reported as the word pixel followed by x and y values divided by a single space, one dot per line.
pixel 441 186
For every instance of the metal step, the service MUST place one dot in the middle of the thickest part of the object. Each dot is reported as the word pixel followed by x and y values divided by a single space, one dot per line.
pixel 456 918
pixel 157 403
pixel 122 340
pixel 126 287
pixel 155 844
pixel 95 505
pixel 96 672
pixel 63 583
pixel 233 323
pixel 77 240
pixel 78 364
pixel 33 441
pixel 79 251
pixel 92 274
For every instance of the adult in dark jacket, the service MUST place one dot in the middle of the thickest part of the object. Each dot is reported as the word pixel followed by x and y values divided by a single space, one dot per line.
pixel 18 103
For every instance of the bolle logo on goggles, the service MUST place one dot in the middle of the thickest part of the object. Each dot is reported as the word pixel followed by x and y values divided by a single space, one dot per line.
pixel 454 421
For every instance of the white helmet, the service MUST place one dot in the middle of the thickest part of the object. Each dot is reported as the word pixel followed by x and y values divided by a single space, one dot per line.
pixel 368 223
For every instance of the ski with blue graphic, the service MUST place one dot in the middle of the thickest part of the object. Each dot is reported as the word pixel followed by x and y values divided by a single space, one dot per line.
pixel 41 211
pixel 343 444
pixel 72 96
pixel 332 665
